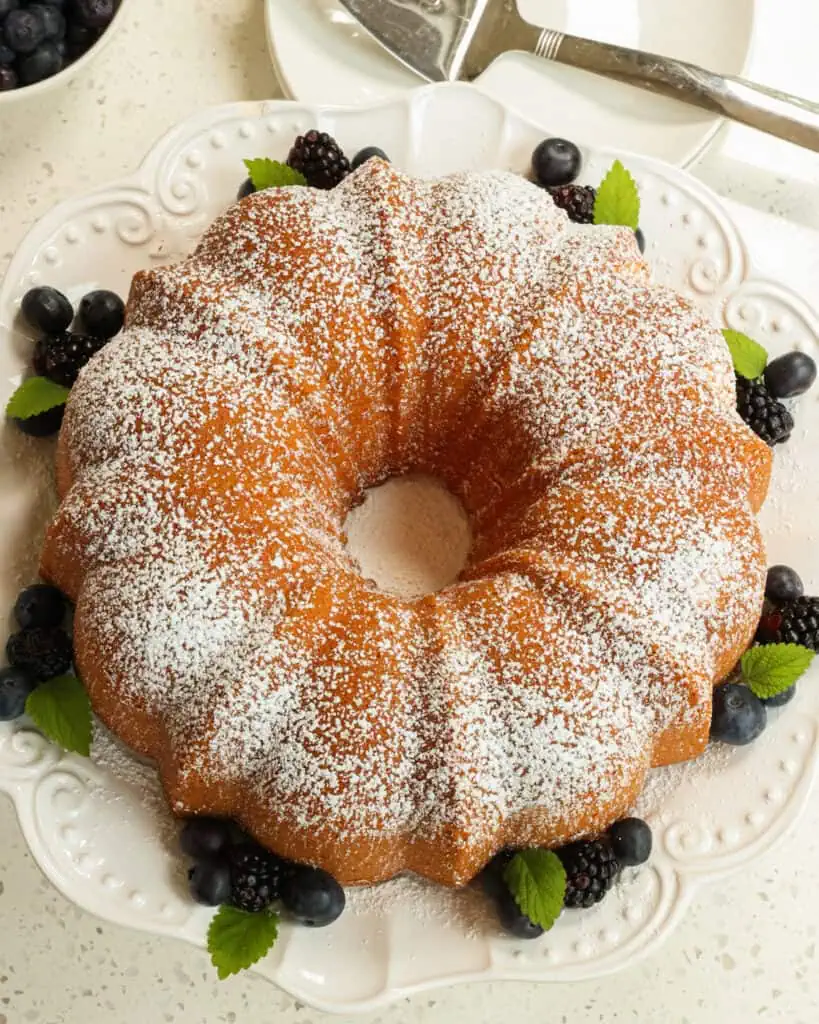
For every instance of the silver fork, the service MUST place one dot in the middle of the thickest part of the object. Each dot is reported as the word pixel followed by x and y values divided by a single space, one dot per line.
pixel 447 40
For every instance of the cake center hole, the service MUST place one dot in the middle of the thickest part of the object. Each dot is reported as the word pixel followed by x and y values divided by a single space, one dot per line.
pixel 410 536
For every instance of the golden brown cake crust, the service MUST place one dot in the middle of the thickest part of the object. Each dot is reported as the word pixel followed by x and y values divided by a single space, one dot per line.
pixel 317 343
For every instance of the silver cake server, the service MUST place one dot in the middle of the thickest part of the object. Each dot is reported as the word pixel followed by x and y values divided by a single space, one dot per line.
pixel 451 40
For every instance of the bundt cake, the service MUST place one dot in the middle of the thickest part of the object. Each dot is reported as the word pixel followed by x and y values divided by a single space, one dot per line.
pixel 317 343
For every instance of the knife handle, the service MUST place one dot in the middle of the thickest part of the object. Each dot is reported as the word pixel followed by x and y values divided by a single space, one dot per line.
pixel 777 113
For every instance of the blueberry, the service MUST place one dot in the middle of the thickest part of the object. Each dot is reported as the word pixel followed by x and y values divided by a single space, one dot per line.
pixel 201 838
pixel 7 55
pixel 630 841
pixel 44 653
pixel 556 162
pixel 93 13
pixel 512 918
pixel 785 697
pixel 312 896
pixel 737 716
pixel 790 375
pixel 53 20
pixel 24 30
pixel 783 584
pixel 6 6
pixel 247 188
pixel 43 63
pixel 47 309
pixel 39 605
pixel 15 686
pixel 44 424
pixel 364 155
pixel 102 314
pixel 209 882
pixel 8 79
pixel 641 239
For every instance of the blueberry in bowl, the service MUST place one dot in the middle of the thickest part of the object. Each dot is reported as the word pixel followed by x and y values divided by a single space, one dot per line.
pixel 44 42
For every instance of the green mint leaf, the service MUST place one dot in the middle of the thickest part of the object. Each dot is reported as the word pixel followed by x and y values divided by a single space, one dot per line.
pixel 237 940
pixel 748 356
pixel 265 173
pixel 35 395
pixel 537 880
pixel 618 199
pixel 60 708
pixel 772 668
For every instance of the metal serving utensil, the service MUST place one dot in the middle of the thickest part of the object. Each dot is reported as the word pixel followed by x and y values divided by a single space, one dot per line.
pixel 451 40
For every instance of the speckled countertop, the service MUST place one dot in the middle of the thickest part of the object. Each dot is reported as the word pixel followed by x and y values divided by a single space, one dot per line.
pixel 746 951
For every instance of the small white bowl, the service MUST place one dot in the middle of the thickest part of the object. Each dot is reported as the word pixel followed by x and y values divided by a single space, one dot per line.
pixel 63 77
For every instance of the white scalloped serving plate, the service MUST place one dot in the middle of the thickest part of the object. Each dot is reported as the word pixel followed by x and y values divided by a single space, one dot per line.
pixel 101 831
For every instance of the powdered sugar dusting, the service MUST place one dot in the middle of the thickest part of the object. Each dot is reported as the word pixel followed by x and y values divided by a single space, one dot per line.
pixel 317 344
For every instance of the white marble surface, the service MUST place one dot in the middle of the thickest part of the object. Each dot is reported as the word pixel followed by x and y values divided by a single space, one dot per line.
pixel 745 952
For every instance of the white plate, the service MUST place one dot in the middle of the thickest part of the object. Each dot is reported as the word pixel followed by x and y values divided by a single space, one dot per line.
pixel 102 833
pixel 320 52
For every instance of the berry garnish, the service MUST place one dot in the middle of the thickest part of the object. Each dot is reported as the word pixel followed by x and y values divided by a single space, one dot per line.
pixel 738 716
pixel 577 201
pixel 255 875
pixel 640 239
pixel 8 78
pixel 53 19
pixel 247 188
pixel 40 605
pixel 45 653
pixel 47 310
pixel 93 13
pixel 312 896
pixel 320 159
pixel 23 31
pixel 102 314
pixel 363 155
pixel 783 584
pixel 15 686
pixel 60 357
pixel 631 841
pixel 512 918
pixel 767 417
pixel 781 698
pixel 201 838
pixel 6 6
pixel 556 162
pixel 209 882
pixel 591 868
pixel 45 62
pixel 44 424
pixel 800 622
pixel 790 375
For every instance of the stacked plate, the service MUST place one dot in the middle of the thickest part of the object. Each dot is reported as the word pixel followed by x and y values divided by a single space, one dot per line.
pixel 320 51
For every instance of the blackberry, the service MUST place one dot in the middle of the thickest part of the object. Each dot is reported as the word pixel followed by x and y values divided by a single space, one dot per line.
pixel 591 868
pixel 768 419
pixel 799 622
pixel 319 158
pixel 60 357
pixel 255 876
pixel 45 653
pixel 577 201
